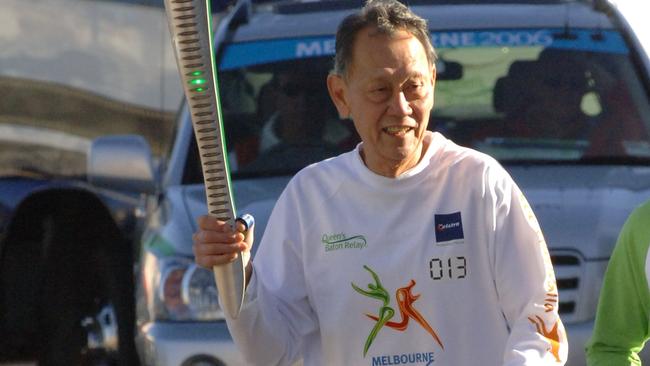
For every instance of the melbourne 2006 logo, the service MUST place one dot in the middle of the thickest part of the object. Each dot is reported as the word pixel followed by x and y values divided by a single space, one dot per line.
pixel 405 300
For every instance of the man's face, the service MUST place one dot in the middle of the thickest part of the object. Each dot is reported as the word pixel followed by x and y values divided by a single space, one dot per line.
pixel 293 95
pixel 388 93
pixel 302 98
pixel 556 111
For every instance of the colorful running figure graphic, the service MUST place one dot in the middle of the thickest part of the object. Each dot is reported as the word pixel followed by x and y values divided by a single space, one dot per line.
pixel 405 300
pixel 378 292
pixel 552 335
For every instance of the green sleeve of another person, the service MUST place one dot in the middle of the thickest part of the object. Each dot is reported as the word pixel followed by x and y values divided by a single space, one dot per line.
pixel 621 327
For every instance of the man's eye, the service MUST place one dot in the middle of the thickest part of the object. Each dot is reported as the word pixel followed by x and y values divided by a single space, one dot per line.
pixel 379 94
pixel 416 90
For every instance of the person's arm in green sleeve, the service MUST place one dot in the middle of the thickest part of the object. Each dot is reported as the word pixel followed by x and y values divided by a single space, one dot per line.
pixel 621 326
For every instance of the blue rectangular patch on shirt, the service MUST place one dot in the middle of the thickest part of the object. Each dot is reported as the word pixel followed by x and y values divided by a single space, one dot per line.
pixel 449 227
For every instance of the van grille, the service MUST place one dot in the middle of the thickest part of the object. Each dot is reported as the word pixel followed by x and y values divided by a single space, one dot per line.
pixel 568 267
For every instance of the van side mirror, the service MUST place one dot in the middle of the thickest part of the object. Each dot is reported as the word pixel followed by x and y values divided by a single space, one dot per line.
pixel 122 162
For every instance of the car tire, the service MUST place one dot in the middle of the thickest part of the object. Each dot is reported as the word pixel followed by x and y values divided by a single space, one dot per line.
pixel 85 264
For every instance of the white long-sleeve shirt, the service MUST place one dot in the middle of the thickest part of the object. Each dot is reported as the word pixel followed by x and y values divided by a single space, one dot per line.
pixel 444 265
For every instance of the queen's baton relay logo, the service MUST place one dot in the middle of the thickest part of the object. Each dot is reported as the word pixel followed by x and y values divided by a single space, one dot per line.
pixel 342 241
pixel 405 300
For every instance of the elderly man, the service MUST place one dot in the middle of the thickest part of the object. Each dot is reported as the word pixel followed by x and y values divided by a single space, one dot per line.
pixel 408 249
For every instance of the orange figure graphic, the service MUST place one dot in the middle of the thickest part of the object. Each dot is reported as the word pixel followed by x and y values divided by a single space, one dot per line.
pixel 405 300
pixel 553 335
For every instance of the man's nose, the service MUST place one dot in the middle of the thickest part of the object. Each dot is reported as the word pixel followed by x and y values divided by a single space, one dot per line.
pixel 399 105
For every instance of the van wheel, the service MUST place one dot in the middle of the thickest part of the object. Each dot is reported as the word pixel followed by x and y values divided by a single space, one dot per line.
pixel 87 303
pixel 67 283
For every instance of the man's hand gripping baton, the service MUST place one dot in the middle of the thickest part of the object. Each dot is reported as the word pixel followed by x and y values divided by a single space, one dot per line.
pixel 191 32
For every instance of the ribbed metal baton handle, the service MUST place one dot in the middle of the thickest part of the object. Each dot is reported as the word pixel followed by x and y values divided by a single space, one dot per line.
pixel 191 32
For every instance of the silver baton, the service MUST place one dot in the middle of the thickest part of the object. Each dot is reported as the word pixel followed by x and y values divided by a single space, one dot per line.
pixel 191 32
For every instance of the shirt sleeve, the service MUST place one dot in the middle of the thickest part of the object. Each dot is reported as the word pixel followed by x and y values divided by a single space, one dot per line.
pixel 276 316
pixel 525 282
pixel 621 326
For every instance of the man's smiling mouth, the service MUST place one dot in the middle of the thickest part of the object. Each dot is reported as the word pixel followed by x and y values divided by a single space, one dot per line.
pixel 397 130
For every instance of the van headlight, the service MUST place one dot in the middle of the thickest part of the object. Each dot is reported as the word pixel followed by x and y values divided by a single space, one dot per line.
pixel 186 292
pixel 199 292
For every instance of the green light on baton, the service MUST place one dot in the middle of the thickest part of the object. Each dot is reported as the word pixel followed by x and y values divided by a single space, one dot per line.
pixel 197 82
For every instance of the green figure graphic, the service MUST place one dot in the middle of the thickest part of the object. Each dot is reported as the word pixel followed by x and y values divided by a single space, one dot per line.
pixel 377 291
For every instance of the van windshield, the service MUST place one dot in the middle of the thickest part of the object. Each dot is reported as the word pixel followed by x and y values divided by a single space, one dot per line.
pixel 533 96
pixel 66 81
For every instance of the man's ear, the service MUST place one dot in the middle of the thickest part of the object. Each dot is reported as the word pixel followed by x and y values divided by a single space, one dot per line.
pixel 434 75
pixel 337 89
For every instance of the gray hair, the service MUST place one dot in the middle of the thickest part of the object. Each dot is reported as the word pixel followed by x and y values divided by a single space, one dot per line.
pixel 388 17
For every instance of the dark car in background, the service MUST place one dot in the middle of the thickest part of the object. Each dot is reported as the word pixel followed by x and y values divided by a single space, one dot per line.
pixel 558 91
pixel 67 76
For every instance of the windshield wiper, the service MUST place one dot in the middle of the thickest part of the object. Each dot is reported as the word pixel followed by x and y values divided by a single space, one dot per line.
pixel 615 160
pixel 244 174
pixel 585 160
